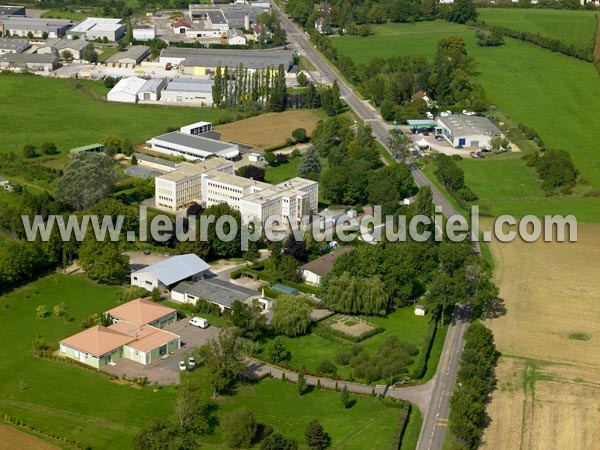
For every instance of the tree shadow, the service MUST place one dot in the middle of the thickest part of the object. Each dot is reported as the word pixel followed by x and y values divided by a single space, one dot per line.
pixel 351 403
pixel 495 309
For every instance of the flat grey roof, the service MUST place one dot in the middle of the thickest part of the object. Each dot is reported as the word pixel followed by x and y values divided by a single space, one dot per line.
pixel 141 172
pixel 45 58
pixel 12 44
pixel 195 142
pixel 251 59
pixel 460 124
pixel 35 23
pixel 216 291
pixel 135 52
pixel 176 269
pixel 6 10
pixel 155 160
pixel 190 85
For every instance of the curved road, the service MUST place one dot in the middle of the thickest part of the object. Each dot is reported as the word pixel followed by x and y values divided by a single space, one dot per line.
pixel 433 398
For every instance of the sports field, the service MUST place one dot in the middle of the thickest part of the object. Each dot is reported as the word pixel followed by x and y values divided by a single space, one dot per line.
pixel 270 129
pixel 570 27
pixel 548 391
pixel 37 110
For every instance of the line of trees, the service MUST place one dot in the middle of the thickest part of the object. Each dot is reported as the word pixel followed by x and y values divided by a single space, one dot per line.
pixel 476 380
pixel 556 170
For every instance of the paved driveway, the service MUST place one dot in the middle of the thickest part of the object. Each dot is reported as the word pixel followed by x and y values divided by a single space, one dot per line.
pixel 166 371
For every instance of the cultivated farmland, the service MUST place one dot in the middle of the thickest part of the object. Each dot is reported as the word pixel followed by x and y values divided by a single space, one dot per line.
pixel 548 392
pixel 58 105
pixel 570 27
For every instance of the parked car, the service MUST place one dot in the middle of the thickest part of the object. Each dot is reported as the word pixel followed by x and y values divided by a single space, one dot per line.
pixel 199 322
pixel 191 362
pixel 439 137
pixel 415 154
pixel 485 150
pixel 182 365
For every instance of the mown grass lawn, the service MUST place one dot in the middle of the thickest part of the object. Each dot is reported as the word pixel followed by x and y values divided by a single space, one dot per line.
pixel 282 172
pixel 368 424
pixel 37 110
pixel 571 27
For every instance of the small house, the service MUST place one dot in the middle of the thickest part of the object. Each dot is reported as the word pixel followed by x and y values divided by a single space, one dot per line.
pixel 419 310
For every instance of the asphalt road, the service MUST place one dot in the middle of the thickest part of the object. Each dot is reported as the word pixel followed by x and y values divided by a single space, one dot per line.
pixel 438 405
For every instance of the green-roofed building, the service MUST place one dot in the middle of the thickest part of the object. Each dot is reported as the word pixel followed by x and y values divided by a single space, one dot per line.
pixel 87 149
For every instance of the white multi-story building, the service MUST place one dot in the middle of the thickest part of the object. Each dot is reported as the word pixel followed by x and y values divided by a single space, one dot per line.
pixel 219 187
pixel 290 200
pixel 178 189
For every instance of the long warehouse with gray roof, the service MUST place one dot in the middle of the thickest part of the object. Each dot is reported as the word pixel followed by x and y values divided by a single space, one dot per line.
pixel 199 61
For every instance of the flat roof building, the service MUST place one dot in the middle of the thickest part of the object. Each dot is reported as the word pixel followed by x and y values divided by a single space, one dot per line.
pixel 180 188
pixel 7 10
pixel 218 187
pixel 94 28
pixel 200 61
pixel 192 147
pixel 467 131
pixel 289 200
pixel 128 58
pixel 197 92
pixel 152 162
pixel 144 32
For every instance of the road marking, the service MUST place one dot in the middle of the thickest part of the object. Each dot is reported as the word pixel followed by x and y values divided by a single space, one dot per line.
pixel 441 424
pixel 447 393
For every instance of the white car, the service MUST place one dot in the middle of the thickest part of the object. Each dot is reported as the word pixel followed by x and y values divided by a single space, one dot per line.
pixel 191 362
pixel 199 322
pixel 182 365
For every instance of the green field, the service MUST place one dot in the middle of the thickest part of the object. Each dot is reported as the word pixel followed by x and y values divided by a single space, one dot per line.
pixel 37 110
pixel 63 398
pixel 282 172
pixel 570 27
pixel 368 424
pixel 552 93
pixel 308 351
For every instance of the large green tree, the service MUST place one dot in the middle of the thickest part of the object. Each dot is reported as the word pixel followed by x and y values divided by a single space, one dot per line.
pixel 238 428
pixel 103 261
pixel 291 315
pixel 87 180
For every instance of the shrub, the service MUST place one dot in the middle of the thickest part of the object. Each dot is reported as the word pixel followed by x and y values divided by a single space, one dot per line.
pixel 239 428
pixel 326 367
pixel 276 351
pixel 299 134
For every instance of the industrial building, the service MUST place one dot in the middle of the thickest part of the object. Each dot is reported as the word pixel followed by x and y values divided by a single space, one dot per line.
pixel 152 89
pixel 7 10
pixel 192 147
pixel 28 61
pixel 128 58
pixel 126 90
pixel 213 290
pixel 154 163
pixel 18 26
pixel 94 28
pixel 13 45
pixel 144 32
pixel 183 186
pixel 198 92
pixel 75 47
pixel 166 274
pixel 199 61
pixel 467 131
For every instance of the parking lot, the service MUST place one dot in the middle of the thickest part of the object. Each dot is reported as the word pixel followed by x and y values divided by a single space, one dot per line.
pixel 166 371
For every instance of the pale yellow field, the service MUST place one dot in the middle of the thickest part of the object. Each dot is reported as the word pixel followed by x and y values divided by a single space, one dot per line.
pixel 270 129
pixel 13 439
pixel 548 394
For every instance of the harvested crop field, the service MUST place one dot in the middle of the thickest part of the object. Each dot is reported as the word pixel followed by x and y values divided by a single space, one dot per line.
pixel 269 129
pixel 548 392
pixel 13 439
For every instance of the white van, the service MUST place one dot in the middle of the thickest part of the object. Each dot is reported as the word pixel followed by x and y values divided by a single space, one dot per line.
pixel 199 322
